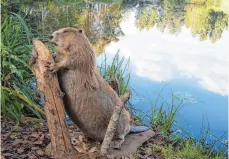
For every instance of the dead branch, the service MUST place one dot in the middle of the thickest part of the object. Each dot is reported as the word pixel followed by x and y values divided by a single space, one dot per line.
pixel 54 107
pixel 113 124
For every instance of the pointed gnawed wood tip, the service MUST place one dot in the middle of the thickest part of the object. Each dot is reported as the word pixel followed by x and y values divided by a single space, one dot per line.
pixel 42 50
pixel 37 42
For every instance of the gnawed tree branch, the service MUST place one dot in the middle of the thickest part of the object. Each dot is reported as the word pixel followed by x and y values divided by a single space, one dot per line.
pixel 54 107
pixel 113 124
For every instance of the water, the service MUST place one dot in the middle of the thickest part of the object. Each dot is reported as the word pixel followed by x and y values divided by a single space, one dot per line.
pixel 182 63
pixel 178 47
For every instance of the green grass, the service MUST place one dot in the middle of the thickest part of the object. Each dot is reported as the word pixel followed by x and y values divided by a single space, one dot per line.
pixel 183 145
pixel 163 120
pixel 192 148
pixel 117 69
pixel 17 97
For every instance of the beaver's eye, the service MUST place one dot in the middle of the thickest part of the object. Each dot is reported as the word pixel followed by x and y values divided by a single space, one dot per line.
pixel 65 31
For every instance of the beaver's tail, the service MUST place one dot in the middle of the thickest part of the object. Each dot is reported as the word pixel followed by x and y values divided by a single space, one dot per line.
pixel 138 129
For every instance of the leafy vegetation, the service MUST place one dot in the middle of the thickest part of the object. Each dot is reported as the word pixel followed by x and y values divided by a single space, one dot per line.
pixel 17 79
pixel 17 93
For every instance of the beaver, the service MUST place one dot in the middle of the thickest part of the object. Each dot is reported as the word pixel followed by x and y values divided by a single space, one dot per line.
pixel 89 99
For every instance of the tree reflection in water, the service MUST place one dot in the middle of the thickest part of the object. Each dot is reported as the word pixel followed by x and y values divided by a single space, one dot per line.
pixel 101 20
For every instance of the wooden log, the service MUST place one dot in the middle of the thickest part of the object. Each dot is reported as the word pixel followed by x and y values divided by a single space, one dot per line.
pixel 113 124
pixel 54 107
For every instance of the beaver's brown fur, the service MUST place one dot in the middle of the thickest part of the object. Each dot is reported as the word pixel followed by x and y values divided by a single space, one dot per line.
pixel 89 100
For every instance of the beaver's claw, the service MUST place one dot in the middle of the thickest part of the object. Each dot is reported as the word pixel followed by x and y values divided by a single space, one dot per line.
pixel 52 67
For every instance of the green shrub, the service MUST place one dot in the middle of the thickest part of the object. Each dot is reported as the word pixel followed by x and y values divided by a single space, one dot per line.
pixel 17 97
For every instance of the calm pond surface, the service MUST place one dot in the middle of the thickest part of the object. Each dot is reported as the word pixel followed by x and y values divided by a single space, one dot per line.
pixel 175 46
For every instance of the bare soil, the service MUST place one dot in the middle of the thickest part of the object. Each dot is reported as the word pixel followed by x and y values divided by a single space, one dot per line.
pixel 29 141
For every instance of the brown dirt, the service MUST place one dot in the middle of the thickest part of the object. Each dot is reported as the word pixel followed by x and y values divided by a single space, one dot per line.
pixel 29 141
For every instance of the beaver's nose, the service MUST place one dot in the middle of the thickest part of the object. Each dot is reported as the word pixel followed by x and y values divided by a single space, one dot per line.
pixel 50 36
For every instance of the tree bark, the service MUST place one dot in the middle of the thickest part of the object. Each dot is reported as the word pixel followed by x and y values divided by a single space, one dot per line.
pixel 54 107
pixel 113 124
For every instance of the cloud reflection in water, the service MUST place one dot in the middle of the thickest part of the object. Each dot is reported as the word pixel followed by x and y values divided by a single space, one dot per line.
pixel 161 56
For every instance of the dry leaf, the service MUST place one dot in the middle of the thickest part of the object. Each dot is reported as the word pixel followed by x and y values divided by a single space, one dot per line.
pixel 80 149
pixel 25 137
pixel 7 154
pixel 71 126
pixel 84 146
pixel 24 121
pixel 81 138
pixel 17 142
pixel 40 152
pixel 110 156
pixel 48 149
pixel 38 143
pixel 42 137
pixel 32 157
pixel 5 136
pixel 12 136
pixel 35 148
pixel 92 155
pixel 93 149
pixel 20 150
pixel 36 135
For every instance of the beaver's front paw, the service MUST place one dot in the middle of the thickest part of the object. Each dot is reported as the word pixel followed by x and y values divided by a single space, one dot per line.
pixel 52 67
pixel 54 56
